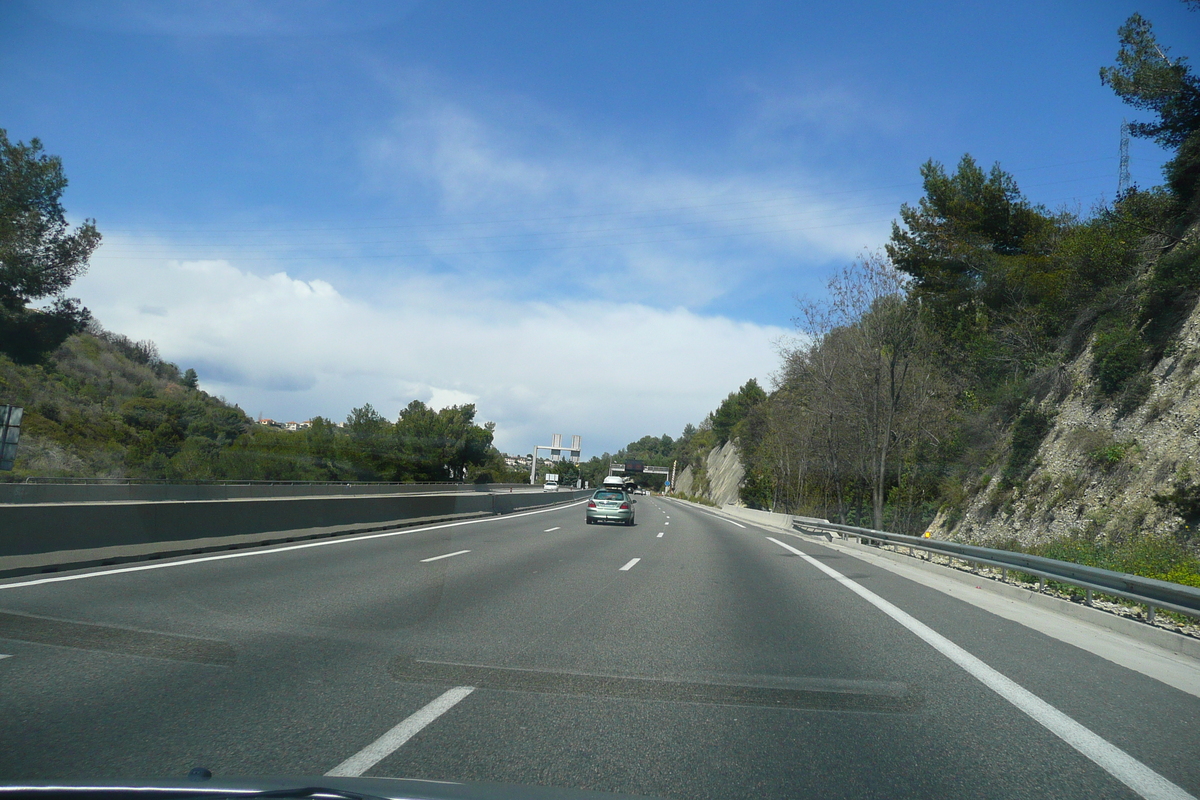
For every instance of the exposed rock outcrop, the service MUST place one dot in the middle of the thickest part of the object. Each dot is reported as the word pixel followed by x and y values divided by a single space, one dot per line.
pixel 1096 471
pixel 720 478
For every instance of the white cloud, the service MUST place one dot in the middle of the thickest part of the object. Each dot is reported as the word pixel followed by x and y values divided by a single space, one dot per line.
pixel 571 290
pixel 289 348
pixel 531 189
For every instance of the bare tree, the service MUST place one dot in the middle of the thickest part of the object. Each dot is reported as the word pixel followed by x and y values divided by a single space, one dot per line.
pixel 861 390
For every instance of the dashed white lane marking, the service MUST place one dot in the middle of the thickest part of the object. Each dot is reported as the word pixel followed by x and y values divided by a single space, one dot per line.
pixel 390 742
pixel 666 523
pixel 629 566
pixel 445 555
pixel 1115 761
pixel 267 551
pixel 660 533
pixel 555 528
pixel 5 655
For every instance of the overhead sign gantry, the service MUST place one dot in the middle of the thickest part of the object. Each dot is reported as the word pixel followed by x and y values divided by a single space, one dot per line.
pixel 557 452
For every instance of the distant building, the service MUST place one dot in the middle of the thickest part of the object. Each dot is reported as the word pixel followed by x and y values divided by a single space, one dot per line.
pixel 294 426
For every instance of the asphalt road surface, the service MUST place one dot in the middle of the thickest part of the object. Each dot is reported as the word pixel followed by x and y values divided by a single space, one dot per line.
pixel 688 656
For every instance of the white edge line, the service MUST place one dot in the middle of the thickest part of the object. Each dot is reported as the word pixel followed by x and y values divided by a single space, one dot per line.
pixel 1112 759
pixel 629 566
pixel 271 550
pixel 555 528
pixel 391 741
pixel 718 516
pixel 444 555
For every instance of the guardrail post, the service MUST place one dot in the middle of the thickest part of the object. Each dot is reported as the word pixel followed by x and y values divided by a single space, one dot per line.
pixel 1150 614
pixel 1088 597
pixel 1041 583
pixel 1004 576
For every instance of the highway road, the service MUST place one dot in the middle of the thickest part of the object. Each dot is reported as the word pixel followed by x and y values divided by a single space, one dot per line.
pixel 689 656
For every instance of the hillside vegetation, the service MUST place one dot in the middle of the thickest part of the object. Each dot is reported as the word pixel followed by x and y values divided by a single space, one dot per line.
pixel 104 406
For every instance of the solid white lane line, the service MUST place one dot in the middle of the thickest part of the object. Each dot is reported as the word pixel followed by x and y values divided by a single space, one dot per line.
pixel 445 555
pixel 629 566
pixel 555 528
pixel 270 550
pixel 390 742
pixel 1115 761
pixel 731 522
pixel 660 533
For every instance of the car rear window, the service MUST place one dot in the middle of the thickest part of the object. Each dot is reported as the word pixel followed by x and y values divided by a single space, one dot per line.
pixel 608 496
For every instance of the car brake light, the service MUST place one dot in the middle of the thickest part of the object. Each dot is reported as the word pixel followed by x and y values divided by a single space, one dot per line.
pixel 591 503
pixel 625 506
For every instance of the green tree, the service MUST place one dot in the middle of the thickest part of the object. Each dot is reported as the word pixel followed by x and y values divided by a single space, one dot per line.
pixel 464 444
pixel 1147 78
pixel 734 408
pixel 369 444
pixel 979 256
pixel 439 445
pixel 39 255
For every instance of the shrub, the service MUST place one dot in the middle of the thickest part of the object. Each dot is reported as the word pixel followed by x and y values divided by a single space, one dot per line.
pixel 757 490
pixel 1030 427
pixel 1134 394
pixel 1117 353
pixel 1170 294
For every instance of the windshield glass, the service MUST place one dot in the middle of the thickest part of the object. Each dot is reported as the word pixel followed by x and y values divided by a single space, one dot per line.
pixel 690 400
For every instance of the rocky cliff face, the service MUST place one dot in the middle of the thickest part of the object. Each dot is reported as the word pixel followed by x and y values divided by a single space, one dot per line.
pixel 720 478
pixel 1096 471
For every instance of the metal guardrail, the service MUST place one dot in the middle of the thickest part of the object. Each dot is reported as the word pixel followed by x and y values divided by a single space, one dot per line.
pixel 1150 592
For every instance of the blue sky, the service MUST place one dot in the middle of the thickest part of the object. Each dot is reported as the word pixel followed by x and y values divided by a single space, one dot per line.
pixel 324 204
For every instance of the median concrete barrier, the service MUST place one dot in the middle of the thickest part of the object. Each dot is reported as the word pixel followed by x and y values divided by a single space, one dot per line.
pixel 46 536
pixel 130 492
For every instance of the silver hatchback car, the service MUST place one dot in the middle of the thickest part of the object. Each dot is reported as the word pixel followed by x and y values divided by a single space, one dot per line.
pixel 610 505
